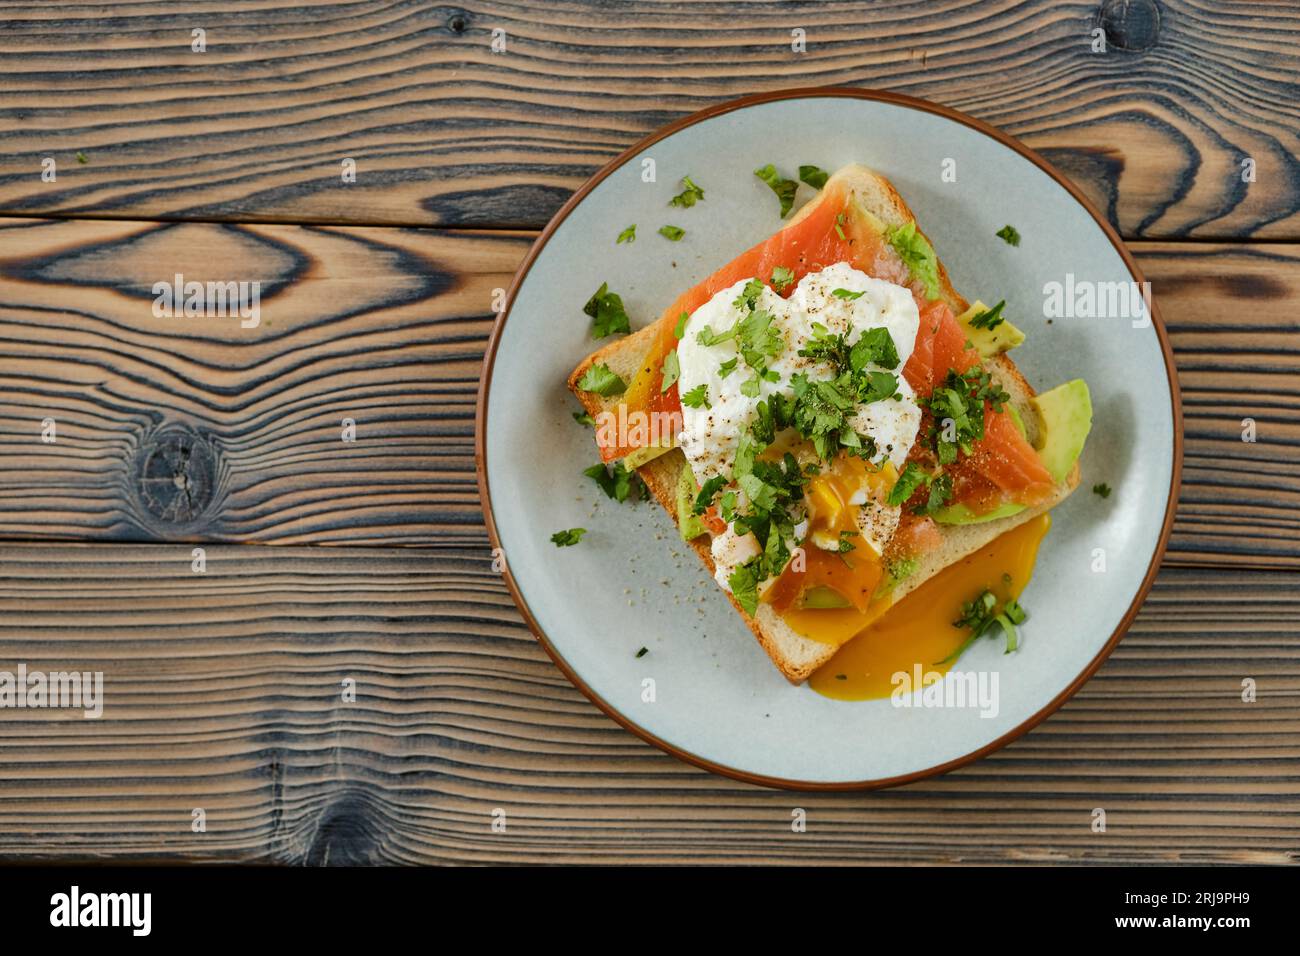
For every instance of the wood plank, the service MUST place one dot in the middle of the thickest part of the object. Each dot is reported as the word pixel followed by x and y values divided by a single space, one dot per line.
pixel 222 691
pixel 1230 310
pixel 444 131
pixel 388 327
pixel 385 327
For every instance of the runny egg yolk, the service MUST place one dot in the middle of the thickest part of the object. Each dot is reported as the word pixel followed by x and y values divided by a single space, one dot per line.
pixel 818 578
pixel 918 630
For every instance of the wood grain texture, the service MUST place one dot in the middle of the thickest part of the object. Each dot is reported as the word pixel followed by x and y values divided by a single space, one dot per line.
pixel 383 327
pixel 388 327
pixel 446 132
pixel 222 691
pixel 1231 314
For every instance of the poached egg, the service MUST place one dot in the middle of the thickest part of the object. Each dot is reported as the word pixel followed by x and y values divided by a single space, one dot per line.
pixel 711 432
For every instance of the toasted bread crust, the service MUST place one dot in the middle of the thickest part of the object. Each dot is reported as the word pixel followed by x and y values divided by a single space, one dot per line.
pixel 797 656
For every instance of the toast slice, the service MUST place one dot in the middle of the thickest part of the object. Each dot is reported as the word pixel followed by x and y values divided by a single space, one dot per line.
pixel 797 656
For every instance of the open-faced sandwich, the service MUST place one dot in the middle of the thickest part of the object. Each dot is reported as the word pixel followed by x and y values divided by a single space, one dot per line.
pixel 844 441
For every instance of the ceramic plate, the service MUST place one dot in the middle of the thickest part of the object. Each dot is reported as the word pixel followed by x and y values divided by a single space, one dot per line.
pixel 718 701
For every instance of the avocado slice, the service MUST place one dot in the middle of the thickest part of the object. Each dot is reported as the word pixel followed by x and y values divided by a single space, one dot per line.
pixel 822 598
pixel 639 456
pixel 1017 421
pixel 961 514
pixel 689 523
pixel 1066 416
pixel 988 342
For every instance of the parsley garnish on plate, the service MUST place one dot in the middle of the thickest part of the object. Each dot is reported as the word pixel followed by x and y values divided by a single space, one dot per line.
pixel 680 328
pixel 784 188
pixel 839 226
pixel 782 278
pixel 615 480
pixel 698 397
pixel 81 158
pixel 627 235
pixel 568 538
pixel 672 233
pixel 1008 235
pixel 602 380
pixel 643 652
pixel 727 367
pixel 813 176
pixel 989 318
pixel 981 614
pixel 847 294
pixel 1102 490
pixel 689 196
pixel 584 418
pixel 607 313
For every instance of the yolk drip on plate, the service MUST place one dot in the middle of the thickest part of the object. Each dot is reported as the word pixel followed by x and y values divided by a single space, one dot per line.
pixel 919 628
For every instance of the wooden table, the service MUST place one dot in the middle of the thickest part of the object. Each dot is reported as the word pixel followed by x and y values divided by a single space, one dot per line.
pixel 329 560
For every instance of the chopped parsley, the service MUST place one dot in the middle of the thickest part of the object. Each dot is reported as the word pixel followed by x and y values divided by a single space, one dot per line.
pixel 680 328
pixel 940 495
pixel 847 294
pixel 615 480
pixel 627 235
pixel 756 338
pixel 689 196
pixel 81 158
pixel 584 418
pixel 820 412
pixel 813 176
pixel 744 584
pixel 607 313
pixel 784 188
pixel 980 615
pixel 673 233
pixel 989 318
pixel 567 539
pixel 707 493
pixel 958 406
pixel 1008 235
pixel 698 397
pixel 911 478
pixel 845 544
pixel 917 255
pixel 839 226
pixel 602 380
pixel 727 367
pixel 749 294
pixel 782 278
pixel 672 371
pixel 875 346
pixel 1103 490
pixel 772 488
pixel 643 652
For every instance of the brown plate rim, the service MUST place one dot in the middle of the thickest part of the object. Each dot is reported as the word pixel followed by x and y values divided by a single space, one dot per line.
pixel 898 99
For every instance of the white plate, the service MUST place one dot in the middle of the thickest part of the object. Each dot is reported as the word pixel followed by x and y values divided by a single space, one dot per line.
pixel 718 700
